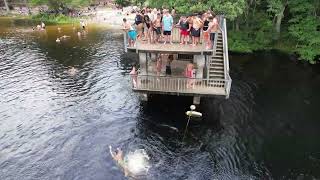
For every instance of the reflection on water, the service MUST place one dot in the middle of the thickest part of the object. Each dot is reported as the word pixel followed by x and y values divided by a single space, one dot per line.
pixel 63 104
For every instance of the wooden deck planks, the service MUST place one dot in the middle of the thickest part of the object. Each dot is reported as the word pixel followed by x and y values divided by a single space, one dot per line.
pixel 170 48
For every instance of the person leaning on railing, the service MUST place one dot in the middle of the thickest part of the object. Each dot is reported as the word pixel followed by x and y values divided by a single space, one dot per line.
pixel 189 73
pixel 213 29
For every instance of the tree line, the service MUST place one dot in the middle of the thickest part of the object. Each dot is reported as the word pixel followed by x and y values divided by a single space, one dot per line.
pixel 292 25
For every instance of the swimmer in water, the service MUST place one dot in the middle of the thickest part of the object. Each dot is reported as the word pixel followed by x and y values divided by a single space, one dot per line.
pixel 83 25
pixel 43 26
pixel 59 29
pixel 117 155
pixel 65 37
pixel 58 40
pixel 79 33
pixel 72 71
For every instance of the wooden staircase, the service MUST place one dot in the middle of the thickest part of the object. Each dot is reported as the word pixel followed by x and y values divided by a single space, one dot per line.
pixel 216 64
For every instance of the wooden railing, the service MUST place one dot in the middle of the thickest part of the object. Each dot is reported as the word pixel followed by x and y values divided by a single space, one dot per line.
pixel 223 25
pixel 178 84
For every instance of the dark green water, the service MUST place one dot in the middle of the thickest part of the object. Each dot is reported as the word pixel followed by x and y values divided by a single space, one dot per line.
pixel 62 105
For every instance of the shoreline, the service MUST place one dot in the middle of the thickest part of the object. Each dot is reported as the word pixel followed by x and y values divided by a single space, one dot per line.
pixel 112 19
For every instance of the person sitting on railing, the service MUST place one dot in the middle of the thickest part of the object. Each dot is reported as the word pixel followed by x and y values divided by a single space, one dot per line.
pixel 131 32
pixel 184 27
pixel 213 29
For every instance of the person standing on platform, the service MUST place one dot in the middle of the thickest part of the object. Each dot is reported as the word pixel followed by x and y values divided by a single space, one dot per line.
pixel 184 29
pixel 213 29
pixel 167 23
pixel 189 73
pixel 157 27
pixel 197 23
pixel 132 34
pixel 204 29
pixel 173 12
pixel 139 24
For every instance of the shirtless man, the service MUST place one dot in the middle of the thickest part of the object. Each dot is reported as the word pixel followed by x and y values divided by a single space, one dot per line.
pixel 213 29
pixel 197 23
pixel 157 27
pixel 132 34
pixel 117 155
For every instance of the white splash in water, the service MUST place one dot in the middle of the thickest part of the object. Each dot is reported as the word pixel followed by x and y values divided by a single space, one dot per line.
pixel 137 162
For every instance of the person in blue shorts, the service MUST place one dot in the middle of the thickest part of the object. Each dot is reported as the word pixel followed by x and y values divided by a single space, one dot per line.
pixel 132 33
pixel 167 23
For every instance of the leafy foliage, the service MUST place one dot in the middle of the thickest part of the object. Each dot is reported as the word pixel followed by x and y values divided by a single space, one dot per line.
pixel 56 4
pixel 257 24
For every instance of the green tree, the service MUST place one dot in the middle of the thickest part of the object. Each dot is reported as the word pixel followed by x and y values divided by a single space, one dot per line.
pixel 58 4
pixel 122 3
pixel 303 27
pixel 277 8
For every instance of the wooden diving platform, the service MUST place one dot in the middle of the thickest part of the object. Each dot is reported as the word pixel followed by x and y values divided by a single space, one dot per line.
pixel 210 75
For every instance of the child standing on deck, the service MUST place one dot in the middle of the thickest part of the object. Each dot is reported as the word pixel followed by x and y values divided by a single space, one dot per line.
pixel 184 29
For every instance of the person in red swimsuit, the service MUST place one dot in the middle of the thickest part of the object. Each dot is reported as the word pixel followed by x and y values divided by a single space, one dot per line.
pixel 184 29
pixel 189 74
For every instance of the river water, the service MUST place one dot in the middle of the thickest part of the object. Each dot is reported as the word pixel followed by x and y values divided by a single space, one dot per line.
pixel 62 105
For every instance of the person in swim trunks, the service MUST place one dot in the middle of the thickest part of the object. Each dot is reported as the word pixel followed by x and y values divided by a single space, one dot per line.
pixel 184 29
pixel 167 23
pixel 213 28
pixel 157 27
pixel 197 23
pixel 132 34
pixel 204 29
pixel 139 24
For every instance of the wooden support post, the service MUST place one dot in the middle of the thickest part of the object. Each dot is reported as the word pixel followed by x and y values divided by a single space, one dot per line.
pixel 144 97
pixel 199 60
pixel 143 63
pixel 125 41
pixel 196 100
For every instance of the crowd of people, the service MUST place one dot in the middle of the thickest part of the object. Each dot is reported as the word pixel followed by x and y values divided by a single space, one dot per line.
pixel 156 26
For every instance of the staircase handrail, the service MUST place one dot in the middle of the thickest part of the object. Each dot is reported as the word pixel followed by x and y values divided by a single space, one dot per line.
pixel 223 25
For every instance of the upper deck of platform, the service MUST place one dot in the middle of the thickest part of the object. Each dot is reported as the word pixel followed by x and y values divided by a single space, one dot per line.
pixel 169 48
pixel 144 46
